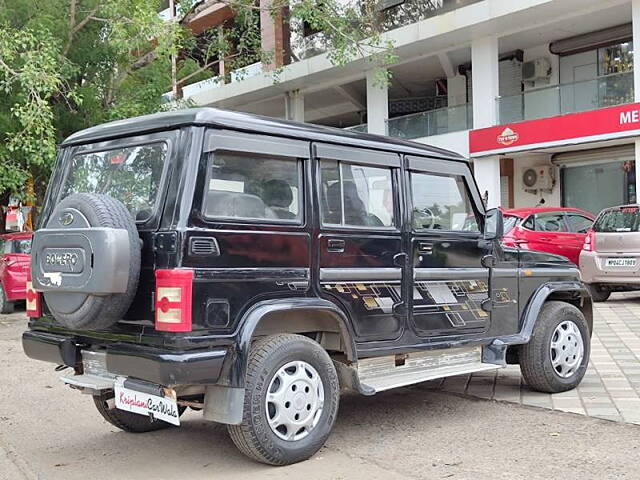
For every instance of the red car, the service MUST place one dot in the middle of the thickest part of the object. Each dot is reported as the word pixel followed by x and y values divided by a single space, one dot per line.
pixel 558 230
pixel 15 257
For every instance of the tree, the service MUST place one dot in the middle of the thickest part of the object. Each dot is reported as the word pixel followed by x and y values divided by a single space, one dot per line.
pixel 70 64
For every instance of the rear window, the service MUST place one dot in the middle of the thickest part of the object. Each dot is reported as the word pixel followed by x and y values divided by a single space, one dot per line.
pixel 130 174
pixel 618 220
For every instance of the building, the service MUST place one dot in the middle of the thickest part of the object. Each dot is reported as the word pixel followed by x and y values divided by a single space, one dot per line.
pixel 541 94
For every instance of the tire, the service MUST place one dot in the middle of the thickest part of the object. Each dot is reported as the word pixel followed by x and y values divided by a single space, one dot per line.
pixel 97 312
pixel 598 293
pixel 255 437
pixel 127 421
pixel 538 356
pixel 5 305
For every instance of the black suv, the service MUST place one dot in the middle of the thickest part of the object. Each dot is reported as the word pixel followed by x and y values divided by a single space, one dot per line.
pixel 248 268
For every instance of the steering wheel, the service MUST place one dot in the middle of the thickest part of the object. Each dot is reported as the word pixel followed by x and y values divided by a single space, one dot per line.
pixel 431 217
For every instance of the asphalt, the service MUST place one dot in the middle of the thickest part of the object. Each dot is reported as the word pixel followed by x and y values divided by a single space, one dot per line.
pixel 48 431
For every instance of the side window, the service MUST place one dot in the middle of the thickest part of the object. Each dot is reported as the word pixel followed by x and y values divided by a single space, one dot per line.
pixel 356 195
pixel 550 222
pixel 22 246
pixel 530 223
pixel 441 202
pixel 578 223
pixel 253 187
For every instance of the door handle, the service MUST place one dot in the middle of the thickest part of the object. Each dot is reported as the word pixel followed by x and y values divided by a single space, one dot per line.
pixel 335 245
pixel 425 247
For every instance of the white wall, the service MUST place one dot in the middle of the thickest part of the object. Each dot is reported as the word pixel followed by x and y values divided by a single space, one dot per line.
pixel 524 199
pixel 455 141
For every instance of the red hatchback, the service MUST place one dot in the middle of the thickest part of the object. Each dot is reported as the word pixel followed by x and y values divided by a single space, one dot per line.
pixel 15 257
pixel 560 231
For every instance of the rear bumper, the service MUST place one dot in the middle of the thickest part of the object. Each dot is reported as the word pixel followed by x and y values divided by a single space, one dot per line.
pixel 592 269
pixel 155 365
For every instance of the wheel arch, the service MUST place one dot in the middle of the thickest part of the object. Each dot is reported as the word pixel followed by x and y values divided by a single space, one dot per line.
pixel 297 315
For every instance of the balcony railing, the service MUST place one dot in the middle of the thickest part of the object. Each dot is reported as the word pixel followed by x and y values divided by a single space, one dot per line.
pixel 432 122
pixel 605 91
pixel 362 128
pixel 412 11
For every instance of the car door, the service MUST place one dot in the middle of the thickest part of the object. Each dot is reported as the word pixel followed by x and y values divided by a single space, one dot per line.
pixel 451 282
pixel 550 233
pixel 578 225
pixel 359 243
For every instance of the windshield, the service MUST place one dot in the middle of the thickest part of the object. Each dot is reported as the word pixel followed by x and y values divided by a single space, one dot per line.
pixel 624 219
pixel 131 175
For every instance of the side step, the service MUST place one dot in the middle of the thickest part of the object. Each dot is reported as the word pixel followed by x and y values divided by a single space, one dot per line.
pixel 383 373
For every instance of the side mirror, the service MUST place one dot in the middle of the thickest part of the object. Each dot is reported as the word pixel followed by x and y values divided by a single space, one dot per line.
pixel 493 224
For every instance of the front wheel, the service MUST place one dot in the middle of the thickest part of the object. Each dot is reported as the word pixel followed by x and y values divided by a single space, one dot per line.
pixel 290 402
pixel 598 293
pixel 557 355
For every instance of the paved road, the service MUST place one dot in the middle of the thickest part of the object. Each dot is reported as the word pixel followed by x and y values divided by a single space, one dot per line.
pixel 50 432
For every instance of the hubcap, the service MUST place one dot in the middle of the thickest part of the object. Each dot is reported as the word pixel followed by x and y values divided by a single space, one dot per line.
pixel 294 400
pixel 567 349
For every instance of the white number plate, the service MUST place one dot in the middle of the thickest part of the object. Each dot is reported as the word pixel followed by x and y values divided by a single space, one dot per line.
pixel 162 408
pixel 620 262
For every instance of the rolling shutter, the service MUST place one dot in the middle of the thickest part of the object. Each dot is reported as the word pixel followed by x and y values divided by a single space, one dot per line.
pixel 622 153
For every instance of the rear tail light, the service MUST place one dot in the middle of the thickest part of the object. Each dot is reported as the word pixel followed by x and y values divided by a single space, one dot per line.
pixel 173 300
pixel 590 241
pixel 34 299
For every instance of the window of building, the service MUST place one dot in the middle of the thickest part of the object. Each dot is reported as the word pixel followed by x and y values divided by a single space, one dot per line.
pixel 356 195
pixel 441 202
pixel 253 187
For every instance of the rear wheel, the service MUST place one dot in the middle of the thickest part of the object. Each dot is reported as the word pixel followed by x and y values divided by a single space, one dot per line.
pixel 598 292
pixel 557 355
pixel 5 305
pixel 291 400
pixel 127 421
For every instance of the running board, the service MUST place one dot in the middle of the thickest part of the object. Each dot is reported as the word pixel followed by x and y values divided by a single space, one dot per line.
pixel 383 373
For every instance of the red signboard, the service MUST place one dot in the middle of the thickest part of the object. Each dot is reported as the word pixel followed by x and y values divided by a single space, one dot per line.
pixel 603 124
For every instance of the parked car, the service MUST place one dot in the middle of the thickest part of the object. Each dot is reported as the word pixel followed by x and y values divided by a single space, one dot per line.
pixel 15 249
pixel 609 258
pixel 250 267
pixel 558 230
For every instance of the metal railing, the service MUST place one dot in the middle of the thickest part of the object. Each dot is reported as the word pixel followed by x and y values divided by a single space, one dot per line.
pixel 432 122
pixel 605 91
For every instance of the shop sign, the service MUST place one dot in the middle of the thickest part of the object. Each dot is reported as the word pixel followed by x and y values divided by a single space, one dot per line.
pixel 603 124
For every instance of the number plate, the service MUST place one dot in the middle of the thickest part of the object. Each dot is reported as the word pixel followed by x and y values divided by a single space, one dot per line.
pixel 620 262
pixel 162 408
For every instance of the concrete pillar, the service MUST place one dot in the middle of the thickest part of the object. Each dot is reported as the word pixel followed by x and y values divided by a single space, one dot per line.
pixel 294 105
pixel 377 104
pixel 274 32
pixel 487 173
pixel 484 81
pixel 635 16
pixel 484 84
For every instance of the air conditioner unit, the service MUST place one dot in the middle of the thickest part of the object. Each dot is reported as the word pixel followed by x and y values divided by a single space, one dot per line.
pixel 537 178
pixel 537 69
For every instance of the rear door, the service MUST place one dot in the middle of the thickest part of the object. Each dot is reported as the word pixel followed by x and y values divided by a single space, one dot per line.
pixel 359 245
pixel 578 226
pixel 548 232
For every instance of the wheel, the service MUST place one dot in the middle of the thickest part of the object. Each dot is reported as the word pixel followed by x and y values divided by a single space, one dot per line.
pixel 557 355
pixel 84 309
pixel 290 403
pixel 598 293
pixel 127 421
pixel 5 305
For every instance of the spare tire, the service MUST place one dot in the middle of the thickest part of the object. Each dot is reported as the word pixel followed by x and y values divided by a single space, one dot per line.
pixel 87 261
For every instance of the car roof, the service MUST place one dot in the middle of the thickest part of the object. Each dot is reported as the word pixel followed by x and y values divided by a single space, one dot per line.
pixel 207 116
pixel 525 212
pixel 16 235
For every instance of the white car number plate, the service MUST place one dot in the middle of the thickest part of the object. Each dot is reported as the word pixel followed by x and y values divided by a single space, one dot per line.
pixel 621 262
pixel 162 408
